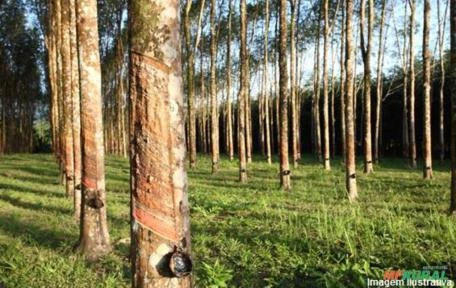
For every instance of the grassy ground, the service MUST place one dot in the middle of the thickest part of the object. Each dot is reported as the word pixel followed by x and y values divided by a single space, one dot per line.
pixel 251 235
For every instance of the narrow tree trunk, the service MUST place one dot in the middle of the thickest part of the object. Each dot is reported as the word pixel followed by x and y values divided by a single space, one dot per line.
pixel 76 112
pixel 342 82
pixel 243 94
pixel 326 149
pixel 441 32
pixel 427 147
pixel 203 102
pixel 228 87
pixel 405 136
pixel 214 108
pixel 366 53
pixel 294 124
pixel 284 165
pixel 411 126
pixel 350 164
pixel 67 97
pixel 316 95
pixel 94 239
pixel 378 108
pixel 190 87
pixel 261 132
pixel 248 112
pixel 266 84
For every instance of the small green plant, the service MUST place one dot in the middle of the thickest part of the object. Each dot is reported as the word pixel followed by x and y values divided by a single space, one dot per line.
pixel 214 275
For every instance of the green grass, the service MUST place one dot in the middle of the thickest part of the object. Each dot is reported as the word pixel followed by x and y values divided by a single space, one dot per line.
pixel 243 235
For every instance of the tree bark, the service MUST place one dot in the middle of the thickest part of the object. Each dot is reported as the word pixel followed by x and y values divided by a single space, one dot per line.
pixel 94 239
pixel 378 108
pixel 427 147
pixel 411 126
pixel 214 108
pixel 316 94
pixel 366 53
pixel 293 88
pixel 441 32
pixel 190 87
pixel 326 148
pixel 350 163
pixel 283 82
pixel 67 97
pixel 405 128
pixel 243 94
pixel 266 84
pixel 76 116
pixel 160 212
pixel 228 87
pixel 342 82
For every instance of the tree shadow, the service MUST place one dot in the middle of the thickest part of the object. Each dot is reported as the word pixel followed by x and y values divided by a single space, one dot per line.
pixel 32 232
pixel 33 206
pixel 32 190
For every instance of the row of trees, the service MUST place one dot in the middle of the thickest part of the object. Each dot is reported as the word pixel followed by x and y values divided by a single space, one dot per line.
pixel 287 99
pixel 160 222
pixel 20 88
pixel 158 178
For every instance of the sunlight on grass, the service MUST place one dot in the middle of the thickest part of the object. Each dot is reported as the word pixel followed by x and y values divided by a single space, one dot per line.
pixel 251 235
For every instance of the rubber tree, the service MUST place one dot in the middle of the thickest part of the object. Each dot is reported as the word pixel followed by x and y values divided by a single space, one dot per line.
pixel 283 94
pixel 67 97
pixel 366 44
pixel 350 163
pixel 427 147
pixel 160 231
pixel 243 94
pixel 213 89
pixel 94 240
pixel 411 126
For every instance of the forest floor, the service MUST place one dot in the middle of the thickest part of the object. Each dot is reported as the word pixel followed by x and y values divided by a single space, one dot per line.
pixel 243 235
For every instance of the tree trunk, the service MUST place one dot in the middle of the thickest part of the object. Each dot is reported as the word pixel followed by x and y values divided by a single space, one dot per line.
pixel 342 83
pixel 294 121
pixel 214 109
pixel 94 239
pixel 366 53
pixel 67 97
pixel 228 87
pixel 283 82
pixel 441 32
pixel 75 107
pixel 248 111
pixel 326 149
pixel 266 84
pixel 316 95
pixel 350 164
pixel 190 87
pixel 405 136
pixel 378 108
pixel 160 225
pixel 203 103
pixel 453 104
pixel 332 107
pixel 427 148
pixel 243 94
pixel 411 126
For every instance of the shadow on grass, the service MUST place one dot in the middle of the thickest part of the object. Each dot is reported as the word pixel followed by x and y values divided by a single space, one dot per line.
pixel 33 233
pixel 33 206
pixel 32 190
